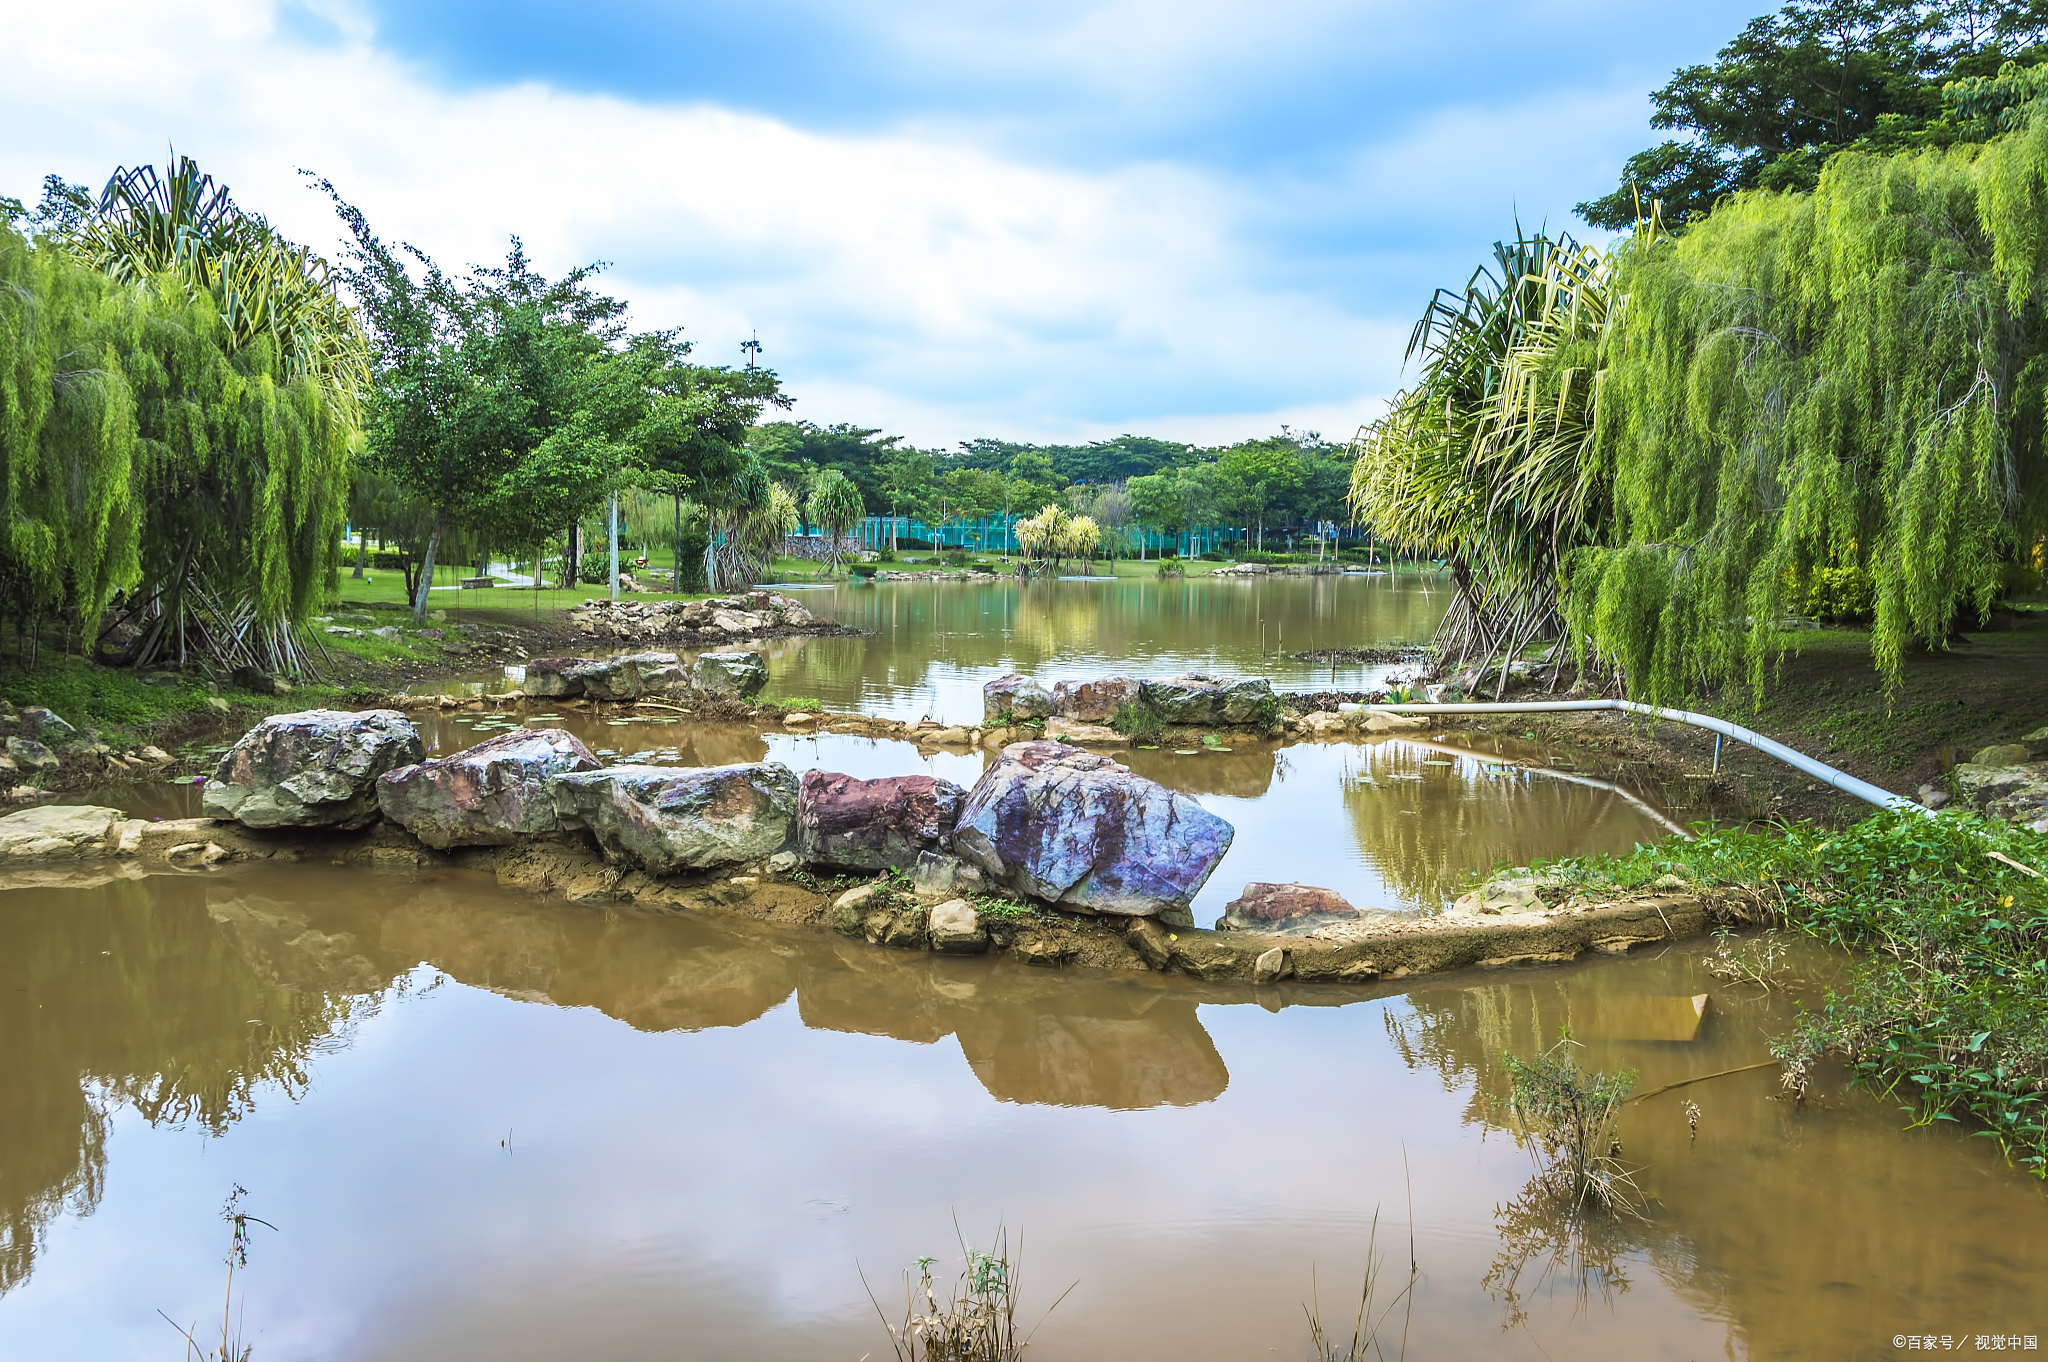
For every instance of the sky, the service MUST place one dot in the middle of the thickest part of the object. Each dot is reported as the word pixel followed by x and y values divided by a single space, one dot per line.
pixel 1049 221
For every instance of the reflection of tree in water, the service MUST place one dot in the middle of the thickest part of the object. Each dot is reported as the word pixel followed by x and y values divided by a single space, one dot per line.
pixel 127 994
pixel 1430 828
pixel 1545 1238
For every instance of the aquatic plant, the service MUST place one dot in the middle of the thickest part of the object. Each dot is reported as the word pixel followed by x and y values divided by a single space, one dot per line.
pixel 1947 1010
pixel 1371 1317
pixel 1569 1117
pixel 979 1321
pixel 230 1348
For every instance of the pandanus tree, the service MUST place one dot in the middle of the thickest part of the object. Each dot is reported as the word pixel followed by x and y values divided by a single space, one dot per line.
pixel 834 506
pixel 246 371
pixel 1054 535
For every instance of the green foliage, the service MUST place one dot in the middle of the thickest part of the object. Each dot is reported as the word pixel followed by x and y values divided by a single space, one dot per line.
pixel 68 432
pixel 834 506
pixel 1138 721
pixel 1795 87
pixel 1948 1009
pixel 1850 378
pixel 1569 1116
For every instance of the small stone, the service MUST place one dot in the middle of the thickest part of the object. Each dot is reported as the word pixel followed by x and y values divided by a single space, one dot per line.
pixel 946 737
pixel 782 862
pixel 855 897
pixel 1932 797
pixel 217 705
pixel 1067 730
pixel 156 756
pixel 1676 883
pixel 937 875
pixel 1508 896
pixel 798 719
pixel 956 928
pixel 1271 967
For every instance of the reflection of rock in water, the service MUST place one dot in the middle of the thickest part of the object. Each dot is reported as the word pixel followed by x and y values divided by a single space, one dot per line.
pixel 127 993
pixel 1429 828
pixel 1244 772
pixel 1029 1037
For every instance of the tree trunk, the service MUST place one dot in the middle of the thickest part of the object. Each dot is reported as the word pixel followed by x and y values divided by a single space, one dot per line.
pixel 572 555
pixel 419 605
pixel 678 560
pixel 611 543
pixel 362 554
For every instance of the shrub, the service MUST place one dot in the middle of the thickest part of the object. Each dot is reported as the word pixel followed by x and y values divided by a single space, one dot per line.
pixel 864 571
pixel 1569 1116
pixel 1213 556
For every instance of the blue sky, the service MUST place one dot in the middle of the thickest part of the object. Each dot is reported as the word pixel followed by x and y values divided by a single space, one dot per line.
pixel 1056 220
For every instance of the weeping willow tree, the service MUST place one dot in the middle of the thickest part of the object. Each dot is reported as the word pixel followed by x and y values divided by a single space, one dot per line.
pixel 246 371
pixel 1847 380
pixel 67 437
pixel 1487 461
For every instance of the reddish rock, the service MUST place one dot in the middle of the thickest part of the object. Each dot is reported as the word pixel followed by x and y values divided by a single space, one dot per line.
pixel 874 824
pixel 493 794
pixel 1269 904
pixel 1094 702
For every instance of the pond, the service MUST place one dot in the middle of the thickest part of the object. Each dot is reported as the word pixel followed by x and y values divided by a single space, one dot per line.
pixel 490 1127
pixel 928 647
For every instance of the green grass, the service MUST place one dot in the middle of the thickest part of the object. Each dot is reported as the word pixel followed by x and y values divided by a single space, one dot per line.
pixel 1947 1008
pixel 116 704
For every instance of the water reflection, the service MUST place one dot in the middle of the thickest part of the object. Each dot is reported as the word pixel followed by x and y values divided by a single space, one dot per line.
pixel 130 995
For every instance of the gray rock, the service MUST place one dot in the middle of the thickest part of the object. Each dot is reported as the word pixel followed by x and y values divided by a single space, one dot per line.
pixel 1011 698
pixel 1198 699
pixel 940 876
pixel 631 676
pixel 318 768
pixel 555 678
pixel 665 819
pixel 30 755
pixel 56 832
pixel 1074 828
pixel 955 928
pixel 2004 754
pixel 492 794
pixel 1093 702
pixel 875 824
pixel 40 723
pixel 732 675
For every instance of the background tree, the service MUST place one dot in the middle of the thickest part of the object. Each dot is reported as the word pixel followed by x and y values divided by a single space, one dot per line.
pixel 1257 474
pixel 834 506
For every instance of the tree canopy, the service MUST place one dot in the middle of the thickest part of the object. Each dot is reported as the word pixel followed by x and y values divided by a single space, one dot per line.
pixel 1819 76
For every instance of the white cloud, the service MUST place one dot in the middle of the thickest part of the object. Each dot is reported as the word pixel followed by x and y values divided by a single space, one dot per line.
pixel 910 280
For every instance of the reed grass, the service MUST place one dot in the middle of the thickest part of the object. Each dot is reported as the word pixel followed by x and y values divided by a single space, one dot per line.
pixel 978 1322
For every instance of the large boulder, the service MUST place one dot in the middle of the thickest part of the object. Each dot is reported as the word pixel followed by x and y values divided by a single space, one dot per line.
pixel 1263 905
pixel 1008 699
pixel 734 675
pixel 318 768
pixel 40 724
pixel 29 755
pixel 1074 828
pixel 1093 702
pixel 492 794
pixel 1198 699
pixel 668 818
pixel 875 824
pixel 631 676
pixel 555 678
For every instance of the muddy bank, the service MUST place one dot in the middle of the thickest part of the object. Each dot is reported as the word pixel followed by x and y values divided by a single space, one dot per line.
pixel 77 846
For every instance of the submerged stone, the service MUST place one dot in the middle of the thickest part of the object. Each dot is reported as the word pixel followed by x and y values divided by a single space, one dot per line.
pixel 875 824
pixel 492 794
pixel 317 768
pixel 1075 828
pixel 666 819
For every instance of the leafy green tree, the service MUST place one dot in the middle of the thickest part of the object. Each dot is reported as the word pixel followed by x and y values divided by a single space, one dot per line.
pixel 1795 87
pixel 1258 475
pixel 834 506
pixel 1176 500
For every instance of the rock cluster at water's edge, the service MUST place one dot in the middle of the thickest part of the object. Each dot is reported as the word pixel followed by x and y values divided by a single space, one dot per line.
pixel 665 819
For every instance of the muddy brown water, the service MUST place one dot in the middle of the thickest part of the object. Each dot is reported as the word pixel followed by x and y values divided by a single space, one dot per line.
pixel 928 647
pixel 488 1126
pixel 492 1126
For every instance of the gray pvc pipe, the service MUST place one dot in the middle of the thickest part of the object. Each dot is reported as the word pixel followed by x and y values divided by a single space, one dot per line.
pixel 1819 770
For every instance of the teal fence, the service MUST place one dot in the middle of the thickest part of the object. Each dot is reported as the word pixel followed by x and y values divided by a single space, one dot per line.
pixel 997 534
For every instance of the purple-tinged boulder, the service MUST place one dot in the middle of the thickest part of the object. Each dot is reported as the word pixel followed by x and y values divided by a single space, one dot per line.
pixel 1079 830
pixel 1264 905
pixel 875 824
pixel 667 818
pixel 1093 702
pixel 318 768
pixel 1011 699
pixel 492 794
